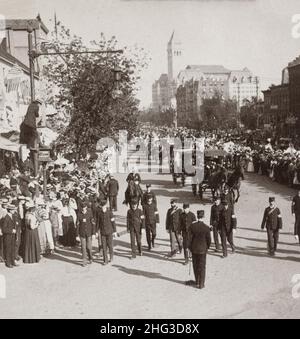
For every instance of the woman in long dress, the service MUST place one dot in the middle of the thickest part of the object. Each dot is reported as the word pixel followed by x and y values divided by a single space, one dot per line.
pixel 69 224
pixel 32 247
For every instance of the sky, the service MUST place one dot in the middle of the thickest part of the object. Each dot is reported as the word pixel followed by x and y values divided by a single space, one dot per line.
pixel 234 33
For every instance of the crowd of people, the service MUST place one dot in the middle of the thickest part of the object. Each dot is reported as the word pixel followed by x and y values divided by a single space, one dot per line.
pixel 77 206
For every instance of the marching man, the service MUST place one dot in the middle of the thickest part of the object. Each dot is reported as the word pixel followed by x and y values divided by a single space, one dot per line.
pixel 106 228
pixel 296 212
pixel 186 220
pixel 272 220
pixel 199 244
pixel 173 228
pixel 151 221
pixel 135 223
pixel 227 226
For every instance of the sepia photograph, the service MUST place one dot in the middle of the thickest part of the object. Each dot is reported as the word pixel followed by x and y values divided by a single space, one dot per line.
pixel 149 162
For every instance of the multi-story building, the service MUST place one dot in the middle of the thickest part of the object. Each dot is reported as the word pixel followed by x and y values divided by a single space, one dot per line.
pixel 16 35
pixel 277 105
pixel 14 71
pixel 205 81
pixel 243 86
pixel 160 93
pixel 294 92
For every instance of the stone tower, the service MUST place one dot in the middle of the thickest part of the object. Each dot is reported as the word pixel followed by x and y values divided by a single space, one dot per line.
pixel 175 57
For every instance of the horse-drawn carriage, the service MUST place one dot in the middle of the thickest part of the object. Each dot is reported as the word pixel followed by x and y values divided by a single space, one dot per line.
pixel 180 161
pixel 215 173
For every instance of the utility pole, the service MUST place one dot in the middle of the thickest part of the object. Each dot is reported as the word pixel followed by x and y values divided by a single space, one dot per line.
pixel 256 82
pixel 35 150
pixel 238 104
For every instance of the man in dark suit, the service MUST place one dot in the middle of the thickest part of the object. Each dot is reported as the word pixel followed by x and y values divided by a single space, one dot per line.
pixel 86 230
pixel 173 228
pixel 272 220
pixel 227 226
pixel 199 244
pixel 228 197
pixel 113 190
pixel 3 212
pixel 9 237
pixel 214 221
pixel 186 220
pixel 296 212
pixel 151 221
pixel 135 223
pixel 106 228
pixel 149 193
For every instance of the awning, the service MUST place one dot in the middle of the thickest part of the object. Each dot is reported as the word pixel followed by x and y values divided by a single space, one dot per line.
pixel 8 145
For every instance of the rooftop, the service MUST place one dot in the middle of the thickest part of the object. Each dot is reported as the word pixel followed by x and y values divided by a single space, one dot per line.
pixel 7 57
pixel 211 69
pixel 25 24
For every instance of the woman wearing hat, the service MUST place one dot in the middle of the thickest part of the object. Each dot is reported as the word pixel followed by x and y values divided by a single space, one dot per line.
pixel 69 219
pixel 32 247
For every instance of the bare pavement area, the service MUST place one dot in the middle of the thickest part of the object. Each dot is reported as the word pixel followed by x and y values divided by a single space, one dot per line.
pixel 249 284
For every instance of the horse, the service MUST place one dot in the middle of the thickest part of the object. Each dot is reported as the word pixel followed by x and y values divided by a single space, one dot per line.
pixel 133 191
pixel 234 181
pixel 216 181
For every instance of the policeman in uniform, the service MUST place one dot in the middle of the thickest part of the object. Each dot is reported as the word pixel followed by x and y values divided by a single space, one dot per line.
pixel 227 226
pixel 214 221
pixel 147 194
pixel 86 230
pixel 113 190
pixel 186 220
pixel 173 228
pixel 296 212
pixel 272 220
pixel 106 228
pixel 199 244
pixel 151 221
pixel 135 223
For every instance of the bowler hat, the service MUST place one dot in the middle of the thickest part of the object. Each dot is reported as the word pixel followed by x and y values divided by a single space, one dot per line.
pixel 185 206
pixel 271 199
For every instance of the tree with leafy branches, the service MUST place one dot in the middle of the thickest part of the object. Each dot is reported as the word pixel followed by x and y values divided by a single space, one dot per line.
pixel 90 103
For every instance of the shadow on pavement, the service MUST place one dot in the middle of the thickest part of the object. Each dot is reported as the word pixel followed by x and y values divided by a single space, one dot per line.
pixel 150 275
pixel 243 251
pixel 261 240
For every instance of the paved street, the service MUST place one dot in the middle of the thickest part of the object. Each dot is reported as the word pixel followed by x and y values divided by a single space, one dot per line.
pixel 247 284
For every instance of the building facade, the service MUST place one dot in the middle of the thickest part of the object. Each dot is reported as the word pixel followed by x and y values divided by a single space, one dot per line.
pixel 294 92
pixel 16 35
pixel 277 108
pixel 243 86
pixel 161 93
pixel 207 81
pixel 14 71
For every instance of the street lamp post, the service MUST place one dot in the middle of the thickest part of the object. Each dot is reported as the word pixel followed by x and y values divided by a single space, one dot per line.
pixel 33 55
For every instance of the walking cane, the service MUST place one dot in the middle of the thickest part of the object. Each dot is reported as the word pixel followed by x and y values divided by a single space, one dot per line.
pixel 190 267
